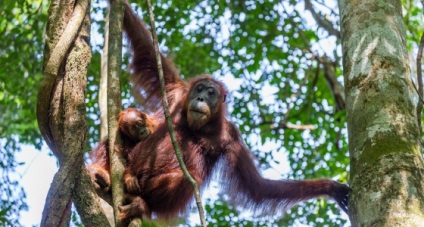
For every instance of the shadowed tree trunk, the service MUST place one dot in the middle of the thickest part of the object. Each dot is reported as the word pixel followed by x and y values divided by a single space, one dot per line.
pixel 387 172
pixel 107 208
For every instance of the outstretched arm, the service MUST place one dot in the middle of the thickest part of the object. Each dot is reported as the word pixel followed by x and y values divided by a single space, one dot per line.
pixel 248 187
pixel 143 64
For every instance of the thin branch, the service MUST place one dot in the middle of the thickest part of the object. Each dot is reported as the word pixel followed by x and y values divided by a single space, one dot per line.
pixel 335 86
pixel 322 22
pixel 117 161
pixel 103 82
pixel 330 74
pixel 102 100
pixel 299 127
pixel 284 125
pixel 324 4
pixel 420 80
pixel 169 120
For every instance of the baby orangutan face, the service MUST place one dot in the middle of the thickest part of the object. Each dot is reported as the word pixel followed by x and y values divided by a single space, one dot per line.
pixel 135 124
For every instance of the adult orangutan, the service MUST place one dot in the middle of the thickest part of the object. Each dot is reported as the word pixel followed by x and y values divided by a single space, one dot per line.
pixel 206 137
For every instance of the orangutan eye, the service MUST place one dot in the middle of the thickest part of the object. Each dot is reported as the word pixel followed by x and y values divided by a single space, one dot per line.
pixel 140 123
pixel 211 91
pixel 200 88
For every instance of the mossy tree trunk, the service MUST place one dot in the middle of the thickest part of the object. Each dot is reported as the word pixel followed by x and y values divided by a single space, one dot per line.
pixel 387 172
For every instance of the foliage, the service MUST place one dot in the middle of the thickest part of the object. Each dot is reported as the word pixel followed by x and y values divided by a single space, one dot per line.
pixel 281 83
pixel 21 29
pixel 270 53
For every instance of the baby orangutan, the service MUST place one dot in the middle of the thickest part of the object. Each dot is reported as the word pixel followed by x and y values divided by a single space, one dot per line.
pixel 134 126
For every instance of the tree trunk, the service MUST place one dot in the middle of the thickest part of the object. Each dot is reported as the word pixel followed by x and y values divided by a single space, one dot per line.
pixel 61 113
pixel 103 83
pixel 114 63
pixel 387 172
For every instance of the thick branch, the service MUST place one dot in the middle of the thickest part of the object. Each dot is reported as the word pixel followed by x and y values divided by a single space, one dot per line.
pixel 117 161
pixel 86 201
pixel 169 120
pixel 62 119
pixel 52 67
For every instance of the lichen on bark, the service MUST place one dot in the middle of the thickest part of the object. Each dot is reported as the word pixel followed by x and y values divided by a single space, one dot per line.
pixel 384 140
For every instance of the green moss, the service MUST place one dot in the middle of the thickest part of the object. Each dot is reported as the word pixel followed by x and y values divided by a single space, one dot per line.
pixel 386 144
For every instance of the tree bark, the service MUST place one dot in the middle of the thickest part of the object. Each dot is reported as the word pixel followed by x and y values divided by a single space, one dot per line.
pixel 107 208
pixel 103 83
pixel 387 169
pixel 61 113
pixel 117 161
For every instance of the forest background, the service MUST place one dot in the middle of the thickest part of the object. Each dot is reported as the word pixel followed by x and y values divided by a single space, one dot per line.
pixel 280 59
